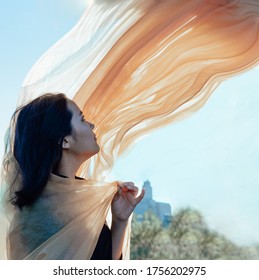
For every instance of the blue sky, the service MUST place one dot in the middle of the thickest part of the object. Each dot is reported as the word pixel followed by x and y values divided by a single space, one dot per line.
pixel 209 161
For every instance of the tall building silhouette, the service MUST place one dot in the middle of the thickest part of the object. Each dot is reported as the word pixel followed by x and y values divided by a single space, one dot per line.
pixel 160 209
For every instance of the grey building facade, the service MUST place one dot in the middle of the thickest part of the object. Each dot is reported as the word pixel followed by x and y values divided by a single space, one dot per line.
pixel 160 209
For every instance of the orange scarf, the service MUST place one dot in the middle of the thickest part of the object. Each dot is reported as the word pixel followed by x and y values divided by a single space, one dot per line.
pixel 64 223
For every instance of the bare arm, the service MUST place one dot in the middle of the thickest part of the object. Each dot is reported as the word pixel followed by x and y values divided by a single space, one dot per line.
pixel 118 233
pixel 123 204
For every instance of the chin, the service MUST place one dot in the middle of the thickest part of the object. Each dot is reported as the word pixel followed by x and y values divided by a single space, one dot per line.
pixel 98 147
pixel 96 151
pixel 91 153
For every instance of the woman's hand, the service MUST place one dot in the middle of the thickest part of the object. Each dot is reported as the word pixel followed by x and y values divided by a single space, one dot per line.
pixel 125 200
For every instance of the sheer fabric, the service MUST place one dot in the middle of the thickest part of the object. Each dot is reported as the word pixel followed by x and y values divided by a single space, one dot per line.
pixel 64 223
pixel 133 67
pixel 70 213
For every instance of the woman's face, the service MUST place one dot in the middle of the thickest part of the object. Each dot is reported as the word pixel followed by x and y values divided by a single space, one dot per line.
pixel 83 142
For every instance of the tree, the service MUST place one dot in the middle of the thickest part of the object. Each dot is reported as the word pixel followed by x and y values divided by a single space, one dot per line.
pixel 194 240
pixel 187 237
pixel 146 237
pixel 185 233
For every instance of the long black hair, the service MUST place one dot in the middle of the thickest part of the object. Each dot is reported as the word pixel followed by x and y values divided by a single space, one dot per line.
pixel 41 126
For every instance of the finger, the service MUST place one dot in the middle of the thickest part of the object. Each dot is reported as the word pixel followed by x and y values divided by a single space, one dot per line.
pixel 117 194
pixel 140 197
pixel 131 189
pixel 134 190
pixel 132 199
pixel 128 183
pixel 124 184
pixel 124 188
pixel 119 184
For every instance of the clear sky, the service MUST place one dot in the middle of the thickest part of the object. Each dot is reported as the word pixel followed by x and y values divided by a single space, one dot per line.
pixel 209 161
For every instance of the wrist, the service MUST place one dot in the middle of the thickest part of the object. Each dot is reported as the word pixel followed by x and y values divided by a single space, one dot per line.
pixel 119 221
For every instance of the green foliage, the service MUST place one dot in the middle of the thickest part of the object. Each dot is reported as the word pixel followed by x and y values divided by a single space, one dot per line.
pixel 144 236
pixel 187 237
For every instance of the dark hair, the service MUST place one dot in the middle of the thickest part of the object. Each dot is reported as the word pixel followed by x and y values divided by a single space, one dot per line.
pixel 41 126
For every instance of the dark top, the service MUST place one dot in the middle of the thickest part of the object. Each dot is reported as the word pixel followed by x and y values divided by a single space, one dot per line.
pixel 103 249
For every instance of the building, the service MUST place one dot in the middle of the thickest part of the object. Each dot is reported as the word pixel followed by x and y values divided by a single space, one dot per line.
pixel 160 209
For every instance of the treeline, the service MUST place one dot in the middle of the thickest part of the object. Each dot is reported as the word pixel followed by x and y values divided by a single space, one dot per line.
pixel 186 237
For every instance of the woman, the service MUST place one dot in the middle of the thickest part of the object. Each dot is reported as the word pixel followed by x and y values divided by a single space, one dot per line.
pixel 55 214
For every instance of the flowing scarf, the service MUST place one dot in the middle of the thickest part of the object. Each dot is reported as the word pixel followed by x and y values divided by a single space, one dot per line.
pixel 64 223
pixel 134 66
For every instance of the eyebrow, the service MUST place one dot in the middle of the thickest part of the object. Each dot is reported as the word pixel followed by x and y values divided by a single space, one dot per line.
pixel 80 113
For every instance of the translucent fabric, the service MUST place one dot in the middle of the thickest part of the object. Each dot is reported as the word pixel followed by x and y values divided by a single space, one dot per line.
pixel 133 67
pixel 64 223
pixel 71 211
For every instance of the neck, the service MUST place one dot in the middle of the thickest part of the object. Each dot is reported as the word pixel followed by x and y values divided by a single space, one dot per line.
pixel 68 166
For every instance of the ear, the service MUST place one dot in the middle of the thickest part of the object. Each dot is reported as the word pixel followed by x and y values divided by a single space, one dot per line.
pixel 66 143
